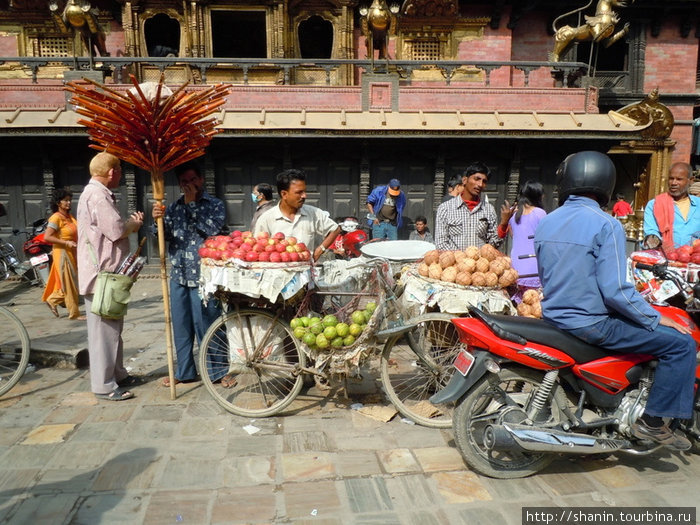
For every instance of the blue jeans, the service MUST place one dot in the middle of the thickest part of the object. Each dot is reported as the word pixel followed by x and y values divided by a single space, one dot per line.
pixel 190 318
pixel 385 230
pixel 672 392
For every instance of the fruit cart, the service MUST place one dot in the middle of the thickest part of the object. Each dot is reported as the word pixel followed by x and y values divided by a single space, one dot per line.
pixel 284 322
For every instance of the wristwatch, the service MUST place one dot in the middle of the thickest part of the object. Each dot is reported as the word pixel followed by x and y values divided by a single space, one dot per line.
pixel 322 248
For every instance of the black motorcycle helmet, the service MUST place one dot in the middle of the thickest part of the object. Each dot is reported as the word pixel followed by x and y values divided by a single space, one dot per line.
pixel 587 172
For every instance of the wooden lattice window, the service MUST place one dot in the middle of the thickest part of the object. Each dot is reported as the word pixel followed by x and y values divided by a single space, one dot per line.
pixel 424 49
pixel 51 46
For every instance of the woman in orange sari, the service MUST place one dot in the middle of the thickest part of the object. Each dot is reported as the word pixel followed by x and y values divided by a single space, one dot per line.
pixel 62 232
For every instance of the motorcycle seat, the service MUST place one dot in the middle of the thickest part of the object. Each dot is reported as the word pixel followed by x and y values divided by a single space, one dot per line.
pixel 539 331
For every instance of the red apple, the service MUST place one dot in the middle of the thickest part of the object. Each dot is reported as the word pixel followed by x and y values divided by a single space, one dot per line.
pixel 672 255
pixel 270 248
pixel 300 246
pixel 251 256
pixel 284 243
pixel 262 235
pixel 695 258
pixel 237 241
pixel 264 256
pixel 246 247
pixel 292 240
pixel 279 236
pixel 249 240
pixel 294 257
pixel 275 257
pixel 239 254
pixel 236 233
pixel 259 248
pixel 305 255
pixel 684 257
pixel 284 256
pixel 203 251
pixel 246 234
pixel 280 248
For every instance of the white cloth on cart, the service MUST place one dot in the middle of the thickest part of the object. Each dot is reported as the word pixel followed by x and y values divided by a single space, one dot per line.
pixel 269 283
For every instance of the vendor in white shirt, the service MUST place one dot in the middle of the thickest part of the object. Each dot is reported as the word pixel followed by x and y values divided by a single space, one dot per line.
pixel 310 225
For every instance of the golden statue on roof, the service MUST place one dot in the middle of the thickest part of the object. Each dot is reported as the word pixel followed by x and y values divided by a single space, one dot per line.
pixel 599 28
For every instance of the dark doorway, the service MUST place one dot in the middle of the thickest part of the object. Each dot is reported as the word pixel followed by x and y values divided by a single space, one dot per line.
pixel 238 34
pixel 162 36
pixel 316 38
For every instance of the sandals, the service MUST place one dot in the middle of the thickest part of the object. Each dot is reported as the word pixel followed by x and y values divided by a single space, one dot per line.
pixel 166 381
pixel 130 381
pixel 229 381
pixel 118 394
pixel 53 309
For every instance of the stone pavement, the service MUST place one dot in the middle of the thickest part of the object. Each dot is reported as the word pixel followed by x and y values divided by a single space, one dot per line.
pixel 67 458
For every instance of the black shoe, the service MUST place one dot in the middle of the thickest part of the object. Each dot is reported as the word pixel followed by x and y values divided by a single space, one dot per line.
pixel 130 381
pixel 662 435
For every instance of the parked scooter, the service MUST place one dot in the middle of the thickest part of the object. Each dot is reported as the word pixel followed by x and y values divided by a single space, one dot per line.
pixel 527 392
pixel 38 250
pixel 11 264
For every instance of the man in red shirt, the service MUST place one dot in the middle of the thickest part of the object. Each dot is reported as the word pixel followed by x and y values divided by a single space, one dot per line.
pixel 622 208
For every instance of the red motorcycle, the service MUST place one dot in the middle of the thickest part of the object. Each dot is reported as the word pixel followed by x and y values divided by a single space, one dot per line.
pixel 528 391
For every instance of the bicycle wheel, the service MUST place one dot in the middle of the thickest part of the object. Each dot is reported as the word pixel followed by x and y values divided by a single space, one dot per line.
pixel 249 361
pixel 14 350
pixel 417 364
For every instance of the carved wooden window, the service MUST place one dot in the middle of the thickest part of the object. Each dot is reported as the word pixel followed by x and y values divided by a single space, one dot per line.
pixel 423 49
pixel 51 46
pixel 315 38
pixel 239 33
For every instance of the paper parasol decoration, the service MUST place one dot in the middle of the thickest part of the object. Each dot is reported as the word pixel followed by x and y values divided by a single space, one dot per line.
pixel 153 132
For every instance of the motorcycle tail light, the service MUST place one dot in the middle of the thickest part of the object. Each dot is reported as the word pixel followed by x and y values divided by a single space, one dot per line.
pixel 492 366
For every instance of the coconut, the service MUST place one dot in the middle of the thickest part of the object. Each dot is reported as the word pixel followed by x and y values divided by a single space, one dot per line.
pixel 431 257
pixel 497 266
pixel 459 256
pixel 447 259
pixel 472 252
pixel 531 297
pixel 508 278
pixel 491 279
pixel 482 265
pixel 423 269
pixel 449 274
pixel 489 252
pixel 478 279
pixel 463 278
pixel 536 310
pixel 467 265
pixel 435 271
pixel 524 309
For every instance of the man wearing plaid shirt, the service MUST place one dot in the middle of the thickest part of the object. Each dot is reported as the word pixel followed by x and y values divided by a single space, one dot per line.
pixel 468 219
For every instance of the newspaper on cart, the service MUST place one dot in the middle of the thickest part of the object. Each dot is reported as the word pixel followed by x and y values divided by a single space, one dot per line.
pixel 271 281
pixel 422 292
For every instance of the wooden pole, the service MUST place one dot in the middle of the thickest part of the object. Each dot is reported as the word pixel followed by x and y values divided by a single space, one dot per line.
pixel 158 185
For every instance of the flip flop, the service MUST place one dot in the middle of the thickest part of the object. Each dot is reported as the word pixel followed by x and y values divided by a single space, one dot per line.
pixel 229 381
pixel 118 394
pixel 53 309
pixel 130 381
pixel 166 381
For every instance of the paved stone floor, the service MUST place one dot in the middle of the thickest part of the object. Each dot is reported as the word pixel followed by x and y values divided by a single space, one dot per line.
pixel 67 458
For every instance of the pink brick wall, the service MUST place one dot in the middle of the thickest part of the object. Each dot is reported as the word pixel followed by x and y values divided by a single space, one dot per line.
pixel 682 133
pixel 8 45
pixel 671 61
pixel 531 43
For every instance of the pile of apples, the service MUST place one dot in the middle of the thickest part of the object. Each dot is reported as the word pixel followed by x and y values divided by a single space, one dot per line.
pixel 261 247
pixel 686 254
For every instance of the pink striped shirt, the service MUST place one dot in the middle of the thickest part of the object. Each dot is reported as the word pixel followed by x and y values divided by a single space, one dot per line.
pixel 100 223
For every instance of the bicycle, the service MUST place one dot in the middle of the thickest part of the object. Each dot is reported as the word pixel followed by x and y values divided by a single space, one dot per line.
pixel 253 347
pixel 14 350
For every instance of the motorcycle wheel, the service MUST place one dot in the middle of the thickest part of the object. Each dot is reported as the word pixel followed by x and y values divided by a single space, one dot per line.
pixel 486 403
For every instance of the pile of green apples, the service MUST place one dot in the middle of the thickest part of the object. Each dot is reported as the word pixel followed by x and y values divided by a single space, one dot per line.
pixel 328 332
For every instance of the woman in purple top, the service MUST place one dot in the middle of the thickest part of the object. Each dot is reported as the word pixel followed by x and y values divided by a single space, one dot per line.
pixel 521 220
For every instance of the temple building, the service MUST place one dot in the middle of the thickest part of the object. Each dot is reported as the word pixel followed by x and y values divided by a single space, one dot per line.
pixel 359 92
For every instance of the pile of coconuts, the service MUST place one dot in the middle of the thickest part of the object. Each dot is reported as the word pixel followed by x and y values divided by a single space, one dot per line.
pixel 483 267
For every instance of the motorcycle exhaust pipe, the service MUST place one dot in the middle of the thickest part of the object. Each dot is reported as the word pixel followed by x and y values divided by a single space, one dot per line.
pixel 523 438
